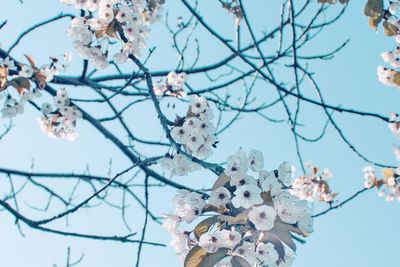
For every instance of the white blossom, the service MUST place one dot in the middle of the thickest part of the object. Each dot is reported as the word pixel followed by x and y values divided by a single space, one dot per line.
pixel 247 196
pixel 263 217
pixel 219 197
pixel 256 160
pixel 210 242
pixel 267 253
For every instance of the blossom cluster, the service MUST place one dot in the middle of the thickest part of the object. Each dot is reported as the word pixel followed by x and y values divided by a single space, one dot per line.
pixel 172 86
pixel 195 131
pixel 388 186
pixel 391 25
pixel 313 186
pixel 394 124
pixel 178 165
pixel 59 120
pixel 389 76
pixel 110 19
pixel 250 220
pixel 19 76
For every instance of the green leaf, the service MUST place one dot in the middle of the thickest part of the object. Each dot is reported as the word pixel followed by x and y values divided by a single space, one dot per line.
pixel 198 257
pixel 281 231
pixel 20 82
pixel 205 225
pixel 237 261
pixel 266 196
pixel 373 8
pixel 222 180
pixel 269 238
pixel 389 29
pixel 241 218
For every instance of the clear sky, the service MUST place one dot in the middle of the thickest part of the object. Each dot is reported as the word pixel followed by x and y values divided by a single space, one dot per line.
pixel 363 233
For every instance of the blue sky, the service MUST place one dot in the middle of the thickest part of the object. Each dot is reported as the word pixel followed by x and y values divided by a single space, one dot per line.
pixel 363 233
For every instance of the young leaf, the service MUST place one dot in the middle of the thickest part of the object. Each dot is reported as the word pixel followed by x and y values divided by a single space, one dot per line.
pixel 20 83
pixel 268 238
pixel 373 8
pixel 111 30
pixel 3 78
pixel 31 61
pixel 389 29
pixel 241 218
pixel 396 77
pixel 387 173
pixel 221 181
pixel 198 257
pixel 281 231
pixel 237 261
pixel 205 225
pixel 266 196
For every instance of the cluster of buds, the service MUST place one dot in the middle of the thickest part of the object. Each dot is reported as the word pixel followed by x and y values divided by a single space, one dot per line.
pixel 313 186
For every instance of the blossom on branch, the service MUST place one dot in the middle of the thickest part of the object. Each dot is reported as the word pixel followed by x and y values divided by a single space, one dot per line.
pixel 248 226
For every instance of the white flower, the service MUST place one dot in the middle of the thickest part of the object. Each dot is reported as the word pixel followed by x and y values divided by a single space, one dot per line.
pixel 26 71
pixel 191 125
pixel 267 253
pixel 9 63
pixel 369 176
pixel 285 207
pixel 120 58
pixel 46 108
pixel 245 180
pixel 204 151
pixel 171 223
pixel 387 56
pixel 179 135
pixel 62 94
pixel 237 165
pixel 305 224
pixel 246 250
pixel 391 181
pixel 179 165
pixel 206 115
pixel 124 14
pixel 313 186
pixel 230 239
pixel 247 196
pixel 206 129
pixel 256 160
pixel 263 217
pixel 194 141
pixel 270 184
pixel 178 241
pixel 210 242
pixel 220 197
pixel 188 205
pixel 198 104
pixel 285 172
pixel 176 80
